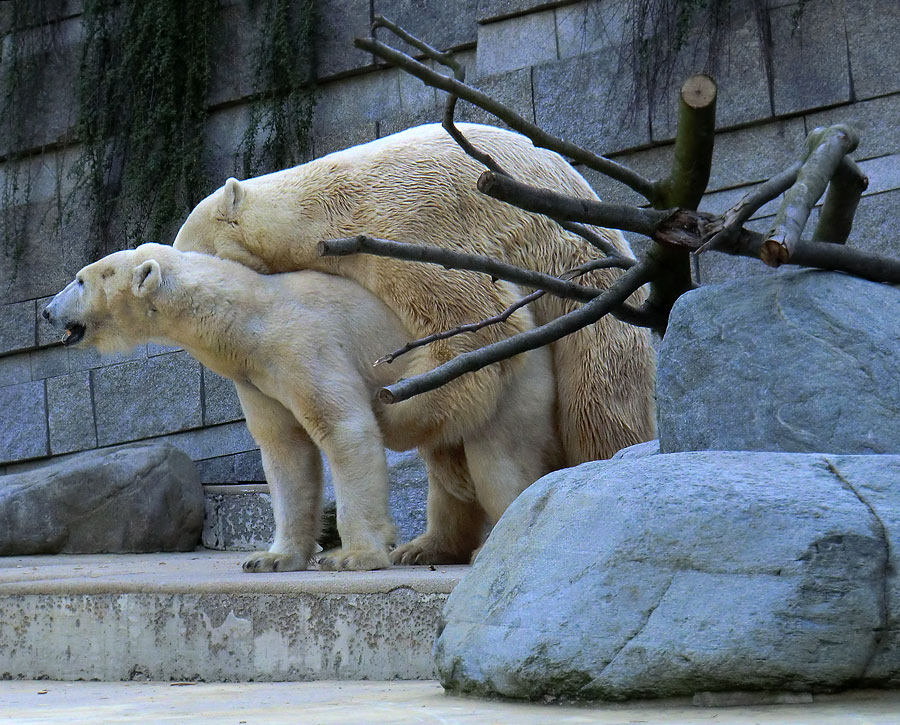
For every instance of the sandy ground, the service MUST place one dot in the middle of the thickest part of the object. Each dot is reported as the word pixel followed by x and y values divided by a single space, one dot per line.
pixel 393 702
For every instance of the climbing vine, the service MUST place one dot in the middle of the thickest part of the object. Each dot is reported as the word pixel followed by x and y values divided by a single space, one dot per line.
pixel 278 134
pixel 141 91
pixel 24 82
pixel 660 41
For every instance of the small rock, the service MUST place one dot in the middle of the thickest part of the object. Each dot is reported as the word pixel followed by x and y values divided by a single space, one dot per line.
pixel 639 450
pixel 138 499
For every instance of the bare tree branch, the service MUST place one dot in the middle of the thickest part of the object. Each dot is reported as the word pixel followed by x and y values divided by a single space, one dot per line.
pixel 591 266
pixel 471 327
pixel 825 149
pixel 726 232
pixel 459 260
pixel 442 57
pixel 683 189
pixel 541 138
pixel 843 195
pixel 469 362
pixel 592 238
pixel 569 208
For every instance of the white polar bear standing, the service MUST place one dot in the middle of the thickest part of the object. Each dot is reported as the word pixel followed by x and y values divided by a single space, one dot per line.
pixel 418 186
pixel 299 348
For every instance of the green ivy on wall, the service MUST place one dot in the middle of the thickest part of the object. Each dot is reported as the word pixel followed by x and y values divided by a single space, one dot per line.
pixel 142 88
pixel 24 80
pixel 142 91
pixel 278 135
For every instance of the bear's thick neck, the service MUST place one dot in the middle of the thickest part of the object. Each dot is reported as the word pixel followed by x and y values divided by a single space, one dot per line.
pixel 209 317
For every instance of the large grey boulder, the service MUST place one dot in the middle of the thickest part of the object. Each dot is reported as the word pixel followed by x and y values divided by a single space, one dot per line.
pixel 137 499
pixel 801 361
pixel 674 574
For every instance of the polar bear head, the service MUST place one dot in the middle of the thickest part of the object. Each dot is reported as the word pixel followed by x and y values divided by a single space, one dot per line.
pixel 271 223
pixel 108 303
pixel 223 225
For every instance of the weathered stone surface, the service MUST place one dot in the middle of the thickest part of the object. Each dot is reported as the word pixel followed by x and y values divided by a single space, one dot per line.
pixel 883 173
pixel 52 97
pixel 810 57
pixel 875 120
pixel 441 25
pixel 512 89
pixel 233 52
pixel 23 421
pixel 49 362
pixel 86 358
pixel 675 574
pixel 754 154
pixel 146 398
pixel 641 450
pixel 239 519
pixel 588 26
pixel 340 21
pixel 220 400
pixel 417 104
pixel 198 617
pixel 587 100
pixel 334 137
pixel 70 413
pixel 217 440
pixel 17 328
pixel 868 24
pixel 142 498
pixel 15 369
pixel 490 10
pixel 55 243
pixel 516 43
pixel 795 361
pixel 743 94
pixel 875 224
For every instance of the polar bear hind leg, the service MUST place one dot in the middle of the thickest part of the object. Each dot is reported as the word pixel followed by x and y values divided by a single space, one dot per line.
pixel 455 519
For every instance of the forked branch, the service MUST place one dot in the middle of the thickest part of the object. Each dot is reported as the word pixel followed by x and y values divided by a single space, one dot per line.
pixel 496 319
pixel 469 362
pixel 541 138
pixel 825 148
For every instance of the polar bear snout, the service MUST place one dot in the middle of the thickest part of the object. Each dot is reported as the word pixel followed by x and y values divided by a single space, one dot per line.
pixel 56 313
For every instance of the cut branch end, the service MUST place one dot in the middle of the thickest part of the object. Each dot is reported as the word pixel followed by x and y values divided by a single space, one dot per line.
pixel 699 91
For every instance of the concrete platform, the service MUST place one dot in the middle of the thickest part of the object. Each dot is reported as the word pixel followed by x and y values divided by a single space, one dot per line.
pixel 389 702
pixel 198 616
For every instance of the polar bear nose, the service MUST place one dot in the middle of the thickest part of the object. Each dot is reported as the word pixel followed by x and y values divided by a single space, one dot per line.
pixel 46 313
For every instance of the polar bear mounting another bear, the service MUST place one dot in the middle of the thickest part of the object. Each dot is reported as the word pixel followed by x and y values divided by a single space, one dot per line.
pixel 299 348
pixel 418 186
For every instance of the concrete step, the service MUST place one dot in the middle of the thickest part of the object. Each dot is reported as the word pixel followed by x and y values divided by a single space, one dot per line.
pixel 199 617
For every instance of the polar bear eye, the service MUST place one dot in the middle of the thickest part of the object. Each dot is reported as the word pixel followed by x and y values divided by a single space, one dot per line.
pixel 80 281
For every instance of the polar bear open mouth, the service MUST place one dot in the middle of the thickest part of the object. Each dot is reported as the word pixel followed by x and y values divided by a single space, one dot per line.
pixel 74 333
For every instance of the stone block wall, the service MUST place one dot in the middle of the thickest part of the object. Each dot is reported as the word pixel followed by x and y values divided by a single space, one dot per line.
pixel 555 61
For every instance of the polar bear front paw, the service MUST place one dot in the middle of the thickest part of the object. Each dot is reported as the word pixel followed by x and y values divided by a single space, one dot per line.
pixel 263 561
pixel 353 560
pixel 426 550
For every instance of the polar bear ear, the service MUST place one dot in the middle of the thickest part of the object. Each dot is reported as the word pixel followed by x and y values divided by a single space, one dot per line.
pixel 232 197
pixel 146 278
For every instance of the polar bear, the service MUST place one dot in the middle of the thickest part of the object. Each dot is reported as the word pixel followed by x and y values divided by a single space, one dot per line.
pixel 299 348
pixel 419 186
